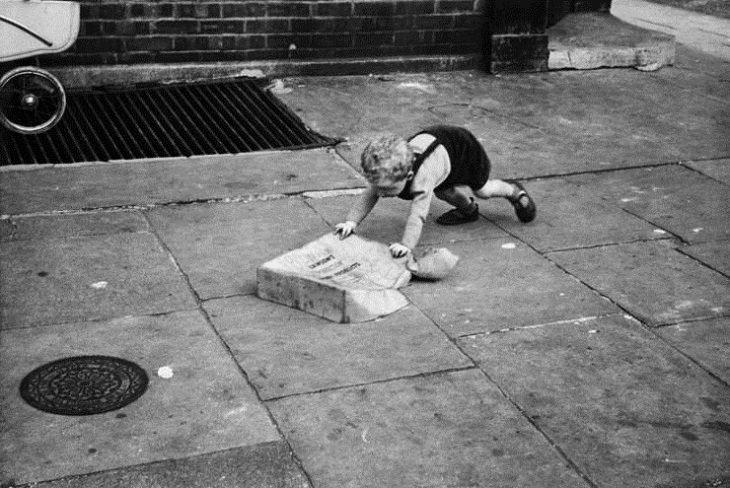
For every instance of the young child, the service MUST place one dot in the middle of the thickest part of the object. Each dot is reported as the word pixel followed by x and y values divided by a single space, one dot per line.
pixel 442 160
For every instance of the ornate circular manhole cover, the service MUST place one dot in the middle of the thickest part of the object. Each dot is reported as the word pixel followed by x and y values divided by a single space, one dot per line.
pixel 84 385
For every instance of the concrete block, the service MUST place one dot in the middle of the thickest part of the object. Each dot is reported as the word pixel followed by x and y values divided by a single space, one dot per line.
pixel 350 280
pixel 599 40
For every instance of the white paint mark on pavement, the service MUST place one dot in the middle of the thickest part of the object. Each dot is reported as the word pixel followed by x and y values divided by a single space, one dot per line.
pixel 165 372
pixel 414 85
pixel 236 411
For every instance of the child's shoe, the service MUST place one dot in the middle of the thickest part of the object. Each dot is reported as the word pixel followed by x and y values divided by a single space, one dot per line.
pixel 456 216
pixel 523 203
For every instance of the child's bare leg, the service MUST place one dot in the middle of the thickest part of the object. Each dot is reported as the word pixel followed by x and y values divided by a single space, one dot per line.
pixel 515 193
pixel 497 188
pixel 460 197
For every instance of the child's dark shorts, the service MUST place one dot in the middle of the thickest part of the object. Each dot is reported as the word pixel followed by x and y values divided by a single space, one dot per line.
pixel 469 162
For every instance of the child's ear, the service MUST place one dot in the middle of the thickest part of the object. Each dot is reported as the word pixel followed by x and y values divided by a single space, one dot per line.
pixel 409 176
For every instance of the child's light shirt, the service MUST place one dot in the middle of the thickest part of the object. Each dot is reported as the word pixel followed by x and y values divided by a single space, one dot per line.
pixel 434 171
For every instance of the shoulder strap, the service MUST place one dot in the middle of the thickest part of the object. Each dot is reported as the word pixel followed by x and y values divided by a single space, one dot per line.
pixel 417 162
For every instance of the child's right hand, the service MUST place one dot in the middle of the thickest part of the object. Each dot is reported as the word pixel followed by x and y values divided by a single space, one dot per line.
pixel 344 229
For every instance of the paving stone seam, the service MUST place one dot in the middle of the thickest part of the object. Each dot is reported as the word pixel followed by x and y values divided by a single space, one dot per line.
pixel 241 370
pixel 561 453
pixel 96 320
pixel 699 171
pixel 706 265
pixel 607 170
pixel 426 374
pixel 250 198
pixel 654 329
pixel 655 332
pixel 579 320
pixel 314 194
pixel 74 477
pixel 573 465
pixel 608 244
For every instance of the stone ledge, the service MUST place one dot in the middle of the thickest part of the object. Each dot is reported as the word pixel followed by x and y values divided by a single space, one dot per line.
pixel 600 40
pixel 98 75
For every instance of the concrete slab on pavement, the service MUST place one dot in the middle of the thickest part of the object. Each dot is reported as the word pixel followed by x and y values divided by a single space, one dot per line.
pixel 572 216
pixel 266 465
pixel 72 225
pixel 533 124
pixel 652 280
pixel 624 406
pixel 206 406
pixel 707 342
pixel 454 429
pixel 287 352
pixel 219 246
pixel 168 181
pixel 500 284
pixel 698 73
pixel 51 281
pixel 674 198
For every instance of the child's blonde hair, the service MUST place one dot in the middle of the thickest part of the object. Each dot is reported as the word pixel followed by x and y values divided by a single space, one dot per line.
pixel 387 157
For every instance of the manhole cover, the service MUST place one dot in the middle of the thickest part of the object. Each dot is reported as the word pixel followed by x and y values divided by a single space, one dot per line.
pixel 84 385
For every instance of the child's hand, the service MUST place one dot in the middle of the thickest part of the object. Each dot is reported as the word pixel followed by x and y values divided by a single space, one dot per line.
pixel 344 229
pixel 398 250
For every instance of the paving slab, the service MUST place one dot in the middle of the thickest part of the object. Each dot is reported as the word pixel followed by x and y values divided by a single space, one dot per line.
pixel 286 351
pixel 152 182
pixel 266 465
pixel 63 226
pixel 387 220
pixel 206 406
pixel 623 405
pixel 707 342
pixel 453 429
pixel 703 32
pixel 572 216
pixel 697 72
pixel 616 118
pixel 674 198
pixel 718 169
pixel 652 280
pixel 54 281
pixel 220 245
pixel 502 283
pixel 530 124
pixel 715 255
pixel 703 64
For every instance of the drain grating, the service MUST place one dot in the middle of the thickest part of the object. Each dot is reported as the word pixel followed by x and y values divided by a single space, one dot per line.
pixel 84 385
pixel 221 117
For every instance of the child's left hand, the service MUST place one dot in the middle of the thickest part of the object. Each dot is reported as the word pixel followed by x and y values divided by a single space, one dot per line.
pixel 398 250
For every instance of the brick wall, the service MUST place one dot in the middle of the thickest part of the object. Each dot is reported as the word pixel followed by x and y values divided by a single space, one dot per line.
pixel 178 31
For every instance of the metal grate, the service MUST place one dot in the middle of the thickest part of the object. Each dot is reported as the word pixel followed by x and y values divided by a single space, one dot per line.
pixel 222 117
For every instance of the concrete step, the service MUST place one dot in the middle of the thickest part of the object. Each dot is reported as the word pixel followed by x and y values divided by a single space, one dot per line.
pixel 599 40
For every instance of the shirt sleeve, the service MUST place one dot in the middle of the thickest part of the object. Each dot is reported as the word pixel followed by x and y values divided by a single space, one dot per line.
pixel 363 205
